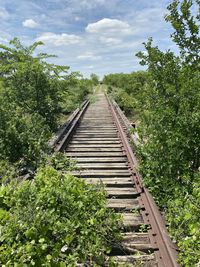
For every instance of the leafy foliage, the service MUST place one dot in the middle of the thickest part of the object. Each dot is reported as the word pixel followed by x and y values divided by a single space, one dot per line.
pixel 184 223
pixel 168 107
pixel 171 154
pixel 184 17
pixel 94 78
pixel 60 162
pixel 33 95
pixel 30 83
pixel 21 135
pixel 74 90
pixel 126 88
pixel 55 220
pixel 7 171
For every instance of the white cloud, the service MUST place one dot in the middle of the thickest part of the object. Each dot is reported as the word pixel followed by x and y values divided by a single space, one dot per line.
pixel 3 13
pixel 109 40
pixel 77 18
pixel 89 4
pixel 109 26
pixel 147 21
pixel 115 32
pixel 149 15
pixel 30 23
pixel 3 40
pixel 90 67
pixel 59 39
pixel 89 56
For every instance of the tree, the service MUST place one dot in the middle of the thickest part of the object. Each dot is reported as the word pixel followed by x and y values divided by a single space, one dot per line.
pixel 172 125
pixel 184 17
pixel 170 153
pixel 167 102
pixel 127 89
pixel 94 78
pixel 33 95
pixel 31 83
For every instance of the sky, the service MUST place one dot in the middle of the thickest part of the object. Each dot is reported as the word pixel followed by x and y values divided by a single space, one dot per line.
pixel 90 36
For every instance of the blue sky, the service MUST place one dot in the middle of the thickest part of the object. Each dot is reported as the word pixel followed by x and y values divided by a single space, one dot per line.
pixel 90 36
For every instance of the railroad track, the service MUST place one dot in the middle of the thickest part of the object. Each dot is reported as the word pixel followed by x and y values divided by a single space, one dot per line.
pixel 97 140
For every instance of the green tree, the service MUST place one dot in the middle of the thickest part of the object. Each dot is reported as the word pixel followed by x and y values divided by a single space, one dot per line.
pixel 31 83
pixel 170 153
pixel 74 90
pixel 94 78
pixel 167 102
pixel 184 17
pixel 127 89
pixel 172 122
pixel 33 95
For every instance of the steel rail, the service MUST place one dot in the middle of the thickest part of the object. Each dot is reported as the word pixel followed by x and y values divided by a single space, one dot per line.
pixel 133 136
pixel 65 127
pixel 64 137
pixel 166 251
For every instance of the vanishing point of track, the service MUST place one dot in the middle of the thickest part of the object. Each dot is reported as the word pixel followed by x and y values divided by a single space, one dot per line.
pixel 96 138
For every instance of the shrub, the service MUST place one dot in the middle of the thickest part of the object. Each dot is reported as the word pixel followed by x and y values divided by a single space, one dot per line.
pixel 33 95
pixel 184 224
pixel 22 135
pixel 169 115
pixel 55 220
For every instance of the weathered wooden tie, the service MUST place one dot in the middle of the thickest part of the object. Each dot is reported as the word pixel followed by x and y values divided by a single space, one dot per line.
pixel 100 157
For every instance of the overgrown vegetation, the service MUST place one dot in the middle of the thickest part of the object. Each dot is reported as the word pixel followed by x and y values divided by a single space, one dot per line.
pixel 167 102
pixel 126 89
pixel 33 95
pixel 55 220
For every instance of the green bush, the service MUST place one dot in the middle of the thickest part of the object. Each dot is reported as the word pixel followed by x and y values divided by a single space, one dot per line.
pixel 127 89
pixel 184 224
pixel 60 162
pixel 55 220
pixel 7 171
pixel 22 136
pixel 74 90
pixel 33 96
pixel 168 104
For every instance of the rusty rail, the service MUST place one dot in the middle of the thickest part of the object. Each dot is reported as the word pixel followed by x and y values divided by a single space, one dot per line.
pixel 69 127
pixel 133 136
pixel 166 251
pixel 85 146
